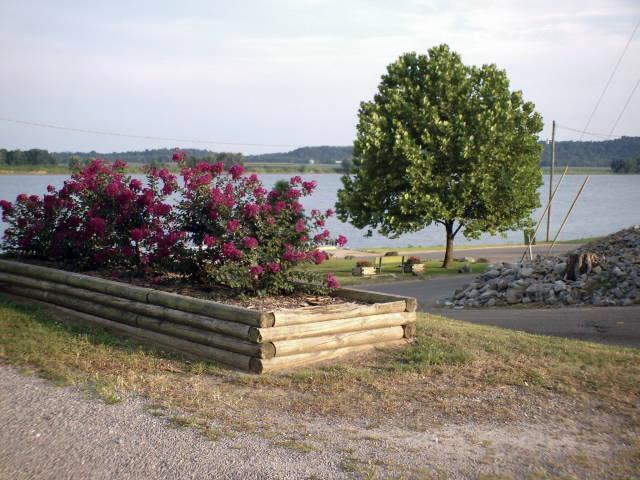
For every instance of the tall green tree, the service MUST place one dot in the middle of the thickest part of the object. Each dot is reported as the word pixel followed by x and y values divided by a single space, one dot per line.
pixel 444 143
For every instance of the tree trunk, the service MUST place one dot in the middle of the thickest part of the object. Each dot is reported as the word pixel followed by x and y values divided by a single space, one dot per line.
pixel 448 255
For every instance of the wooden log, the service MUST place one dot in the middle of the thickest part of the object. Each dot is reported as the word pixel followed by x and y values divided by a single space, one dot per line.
pixel 409 330
pixel 375 297
pixel 140 321
pixel 276 364
pixel 320 313
pixel 341 340
pixel 331 327
pixel 141 294
pixel 185 347
pixel 226 327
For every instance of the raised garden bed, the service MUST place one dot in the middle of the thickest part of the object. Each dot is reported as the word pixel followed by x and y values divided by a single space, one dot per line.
pixel 363 271
pixel 413 267
pixel 249 339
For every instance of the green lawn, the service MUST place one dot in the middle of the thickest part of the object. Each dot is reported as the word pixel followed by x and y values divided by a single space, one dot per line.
pixel 390 270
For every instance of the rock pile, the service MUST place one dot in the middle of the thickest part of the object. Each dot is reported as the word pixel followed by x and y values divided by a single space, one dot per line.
pixel 606 272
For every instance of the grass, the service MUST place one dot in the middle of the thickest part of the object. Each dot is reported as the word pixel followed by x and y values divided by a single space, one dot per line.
pixel 391 270
pixel 452 370
pixel 580 171
pixel 462 248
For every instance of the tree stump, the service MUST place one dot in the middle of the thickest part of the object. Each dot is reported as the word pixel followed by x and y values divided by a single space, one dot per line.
pixel 580 263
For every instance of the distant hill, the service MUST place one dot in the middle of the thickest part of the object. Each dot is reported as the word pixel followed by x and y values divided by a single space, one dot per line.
pixel 573 153
pixel 593 154
pixel 323 154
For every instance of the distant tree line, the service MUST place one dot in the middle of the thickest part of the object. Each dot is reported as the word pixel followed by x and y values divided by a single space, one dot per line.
pixel 626 166
pixel 323 154
pixel 35 156
pixel 592 154
pixel 622 152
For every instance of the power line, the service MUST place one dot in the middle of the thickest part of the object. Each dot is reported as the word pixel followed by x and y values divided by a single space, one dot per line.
pixel 625 107
pixel 146 137
pixel 584 132
pixel 606 87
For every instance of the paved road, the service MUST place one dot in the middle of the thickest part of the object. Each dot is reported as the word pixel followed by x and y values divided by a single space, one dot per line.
pixel 612 325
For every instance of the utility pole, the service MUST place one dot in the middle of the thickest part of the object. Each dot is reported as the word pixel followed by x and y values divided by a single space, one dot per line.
pixel 553 163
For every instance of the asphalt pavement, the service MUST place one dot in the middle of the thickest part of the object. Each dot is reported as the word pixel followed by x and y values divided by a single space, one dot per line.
pixel 610 325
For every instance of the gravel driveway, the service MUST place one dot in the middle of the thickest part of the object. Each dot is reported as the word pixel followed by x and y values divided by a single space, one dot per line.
pixel 49 432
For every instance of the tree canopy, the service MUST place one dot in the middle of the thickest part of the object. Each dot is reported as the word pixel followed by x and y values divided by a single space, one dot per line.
pixel 444 143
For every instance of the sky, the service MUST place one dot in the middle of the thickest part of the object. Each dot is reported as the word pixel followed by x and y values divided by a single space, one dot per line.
pixel 289 73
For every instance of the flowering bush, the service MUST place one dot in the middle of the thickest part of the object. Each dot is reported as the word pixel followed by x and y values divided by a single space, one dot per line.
pixel 226 228
pixel 412 261
pixel 246 237
pixel 100 217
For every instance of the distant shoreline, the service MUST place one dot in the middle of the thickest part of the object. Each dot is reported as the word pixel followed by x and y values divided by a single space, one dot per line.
pixel 295 168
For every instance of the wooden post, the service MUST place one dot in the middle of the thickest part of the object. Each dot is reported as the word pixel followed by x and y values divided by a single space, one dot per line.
pixel 555 190
pixel 566 217
pixel 553 163
pixel 380 265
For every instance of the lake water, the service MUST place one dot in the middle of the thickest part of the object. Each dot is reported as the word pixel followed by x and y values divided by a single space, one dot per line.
pixel 608 203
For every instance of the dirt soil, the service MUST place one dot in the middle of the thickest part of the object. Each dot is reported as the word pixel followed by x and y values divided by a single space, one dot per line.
pixel 180 285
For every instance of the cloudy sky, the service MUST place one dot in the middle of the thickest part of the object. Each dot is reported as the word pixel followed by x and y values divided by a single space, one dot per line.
pixel 288 73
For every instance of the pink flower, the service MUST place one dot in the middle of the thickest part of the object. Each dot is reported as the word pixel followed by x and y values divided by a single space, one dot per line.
pixel 236 171
pixel 251 210
pixel 329 213
pixel 250 242
pixel 34 198
pixel 273 267
pixel 50 188
pixel 256 271
pixel 293 193
pixel 332 282
pixel 210 240
pixel 231 251
pixel 297 180
pixel 318 256
pixel 137 234
pixel 22 198
pixel 178 155
pixel 112 189
pixel 6 207
pixel 96 225
pixel 301 226
pixel 161 209
pixel 341 241
pixel 308 187
pixel 233 225
pixel 119 164
pixel 135 185
pixel 322 236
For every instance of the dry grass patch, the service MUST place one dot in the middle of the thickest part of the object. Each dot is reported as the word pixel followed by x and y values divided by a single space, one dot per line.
pixel 454 371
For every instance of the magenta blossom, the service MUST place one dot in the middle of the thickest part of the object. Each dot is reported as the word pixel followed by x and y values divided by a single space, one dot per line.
pixel 250 242
pixel 251 210
pixel 332 282
pixel 233 225
pixel 236 171
pixel 273 267
pixel 209 240
pixel 96 225
pixel 231 251
pixel 137 234
pixel 341 241
pixel 256 271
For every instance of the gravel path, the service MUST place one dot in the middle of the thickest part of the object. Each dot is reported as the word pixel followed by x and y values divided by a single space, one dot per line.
pixel 49 432
pixel 58 433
